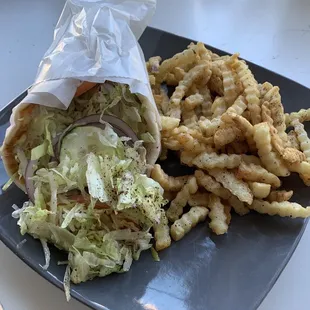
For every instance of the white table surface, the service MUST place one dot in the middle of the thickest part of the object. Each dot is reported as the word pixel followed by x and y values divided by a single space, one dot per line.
pixel 274 34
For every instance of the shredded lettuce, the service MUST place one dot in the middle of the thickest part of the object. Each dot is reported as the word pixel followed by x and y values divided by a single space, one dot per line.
pixel 97 203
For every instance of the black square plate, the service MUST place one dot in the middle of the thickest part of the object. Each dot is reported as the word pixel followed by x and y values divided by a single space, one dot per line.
pixel 200 272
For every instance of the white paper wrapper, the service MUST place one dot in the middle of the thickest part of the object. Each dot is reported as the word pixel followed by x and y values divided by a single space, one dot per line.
pixel 94 40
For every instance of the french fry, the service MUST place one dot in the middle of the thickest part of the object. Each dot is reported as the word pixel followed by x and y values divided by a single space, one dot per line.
pixel 229 86
pixel 227 211
pixel 216 80
pixel 211 185
pixel 171 144
pixel 303 169
pixel 176 206
pixel 191 102
pixel 226 135
pixel 236 186
pixel 283 209
pixel 279 196
pixel 302 137
pixel 153 64
pixel 264 89
pixel 277 112
pixel 188 56
pixel 269 158
pixel 302 115
pixel 207 101
pixel 239 106
pixel 217 215
pixel 190 119
pixel 168 183
pixel 293 140
pixel 187 157
pixel 152 80
pixel 289 154
pixel 266 113
pixel 169 123
pixel 213 160
pixel 247 115
pixel 244 125
pixel 202 51
pixel 218 107
pixel 190 78
pixel 171 79
pixel 161 233
pixel 239 207
pixel 260 190
pixel 199 199
pixel 251 159
pixel 254 173
pixel 250 89
pixel 189 143
pixel 188 220
pixel 209 127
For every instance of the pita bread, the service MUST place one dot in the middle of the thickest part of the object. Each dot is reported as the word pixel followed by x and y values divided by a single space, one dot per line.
pixel 23 114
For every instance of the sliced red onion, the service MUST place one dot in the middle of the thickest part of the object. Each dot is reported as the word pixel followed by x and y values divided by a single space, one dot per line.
pixel 97 120
pixel 30 170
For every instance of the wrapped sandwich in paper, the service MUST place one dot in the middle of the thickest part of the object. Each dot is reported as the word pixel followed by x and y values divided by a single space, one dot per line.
pixel 81 142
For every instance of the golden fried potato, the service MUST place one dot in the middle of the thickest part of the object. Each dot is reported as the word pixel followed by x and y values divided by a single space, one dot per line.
pixel 269 158
pixel 229 86
pixel 207 101
pixel 169 123
pixel 190 119
pixel 199 199
pixel 280 196
pixel 213 160
pixel 236 186
pixel 250 89
pixel 190 78
pixel 244 125
pixel 180 201
pixel 302 137
pixel 285 208
pixel 260 190
pixel 239 207
pixel 168 183
pixel 188 220
pixel 192 101
pixel 302 115
pixel 226 135
pixel 217 215
pixel 293 140
pixel 239 106
pixel 211 185
pixel 251 159
pixel 153 64
pixel 188 56
pixel 277 111
pixel 255 173
pixel 218 107
pixel 161 233
pixel 209 127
